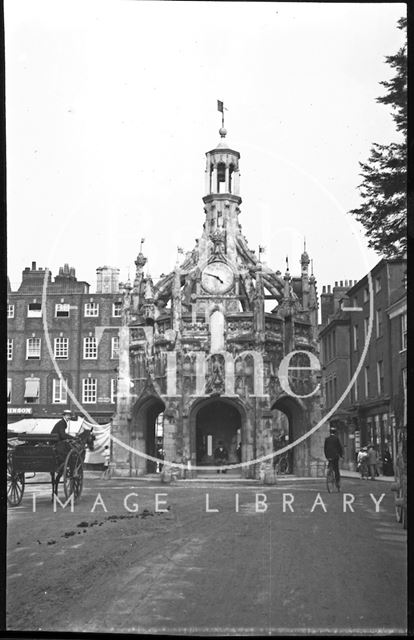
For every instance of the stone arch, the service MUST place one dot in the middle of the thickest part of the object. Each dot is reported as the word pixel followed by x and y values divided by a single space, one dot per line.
pixel 228 423
pixel 142 435
pixel 295 413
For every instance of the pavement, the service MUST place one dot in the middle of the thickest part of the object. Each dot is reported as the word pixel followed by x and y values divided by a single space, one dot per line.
pixel 213 559
pixel 156 477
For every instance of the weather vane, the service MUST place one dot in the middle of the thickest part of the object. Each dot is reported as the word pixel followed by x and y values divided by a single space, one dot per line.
pixel 221 108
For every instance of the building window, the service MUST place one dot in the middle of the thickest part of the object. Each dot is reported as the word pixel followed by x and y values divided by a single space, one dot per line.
pixel 370 429
pixel 33 349
pixel 355 390
pixel 10 310
pixel 114 386
pixel 117 309
pixel 31 390
pixel 89 386
pixel 355 337
pixel 335 390
pixel 366 294
pixel 34 310
pixel 115 347
pixel 377 285
pixel 9 390
pixel 365 327
pixel 91 310
pixel 62 310
pixel 59 393
pixel 403 325
pixel 378 322
pixel 333 343
pixel 380 377
pixel 377 431
pixel 61 348
pixel 90 350
pixel 9 348
pixel 366 380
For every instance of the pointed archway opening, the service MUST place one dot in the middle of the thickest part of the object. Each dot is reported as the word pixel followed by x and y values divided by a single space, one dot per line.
pixel 147 432
pixel 287 426
pixel 218 422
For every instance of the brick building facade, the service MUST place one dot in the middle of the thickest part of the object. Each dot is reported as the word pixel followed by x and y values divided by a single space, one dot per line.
pixel 73 337
pixel 372 408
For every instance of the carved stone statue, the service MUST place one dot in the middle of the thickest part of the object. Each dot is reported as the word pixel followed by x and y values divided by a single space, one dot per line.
pixel 215 380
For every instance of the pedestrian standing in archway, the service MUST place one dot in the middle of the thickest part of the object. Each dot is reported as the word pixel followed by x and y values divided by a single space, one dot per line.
pixel 239 453
pixel 221 456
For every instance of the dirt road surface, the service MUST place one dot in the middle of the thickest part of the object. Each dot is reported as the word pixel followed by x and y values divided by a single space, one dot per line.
pixel 185 570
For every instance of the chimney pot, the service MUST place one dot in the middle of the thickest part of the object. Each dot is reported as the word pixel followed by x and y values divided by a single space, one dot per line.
pixel 341 283
pixel 336 284
pixel 33 266
pixel 324 289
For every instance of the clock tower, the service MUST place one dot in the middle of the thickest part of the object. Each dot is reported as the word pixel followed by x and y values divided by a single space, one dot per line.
pixel 205 357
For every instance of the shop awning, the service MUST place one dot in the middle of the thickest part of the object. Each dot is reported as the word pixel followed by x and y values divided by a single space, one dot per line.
pixel 32 388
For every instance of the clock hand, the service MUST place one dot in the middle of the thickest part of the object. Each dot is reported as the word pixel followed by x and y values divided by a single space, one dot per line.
pixel 213 275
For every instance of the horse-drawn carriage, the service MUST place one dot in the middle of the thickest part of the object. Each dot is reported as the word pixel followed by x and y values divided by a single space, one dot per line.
pixel 39 453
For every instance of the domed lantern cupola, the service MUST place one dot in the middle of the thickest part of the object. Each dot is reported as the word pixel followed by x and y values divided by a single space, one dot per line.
pixel 222 188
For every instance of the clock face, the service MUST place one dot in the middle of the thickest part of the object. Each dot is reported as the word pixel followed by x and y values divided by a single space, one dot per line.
pixel 217 277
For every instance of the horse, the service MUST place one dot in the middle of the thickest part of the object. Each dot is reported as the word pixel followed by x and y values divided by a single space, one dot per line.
pixel 84 439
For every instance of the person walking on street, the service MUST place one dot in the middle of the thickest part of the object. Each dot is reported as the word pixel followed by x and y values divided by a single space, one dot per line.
pixel 372 462
pixel 362 462
pixel 107 458
pixel 333 451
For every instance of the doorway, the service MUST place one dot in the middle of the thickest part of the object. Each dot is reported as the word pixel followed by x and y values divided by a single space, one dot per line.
pixel 218 423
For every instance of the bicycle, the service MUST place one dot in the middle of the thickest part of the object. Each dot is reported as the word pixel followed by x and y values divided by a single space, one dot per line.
pixel 330 478
pixel 281 465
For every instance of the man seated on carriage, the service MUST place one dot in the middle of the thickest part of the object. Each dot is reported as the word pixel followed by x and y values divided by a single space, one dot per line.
pixel 59 429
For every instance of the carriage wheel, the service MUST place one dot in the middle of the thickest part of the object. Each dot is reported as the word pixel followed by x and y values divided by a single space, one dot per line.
pixel 15 484
pixel 73 475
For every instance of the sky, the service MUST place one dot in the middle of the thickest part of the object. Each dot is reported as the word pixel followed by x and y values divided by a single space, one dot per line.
pixel 112 104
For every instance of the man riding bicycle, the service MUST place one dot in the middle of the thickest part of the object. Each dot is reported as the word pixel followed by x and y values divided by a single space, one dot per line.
pixel 333 451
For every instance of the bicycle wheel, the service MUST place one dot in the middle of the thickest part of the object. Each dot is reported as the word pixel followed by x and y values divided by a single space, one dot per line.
pixel 330 480
pixel 283 465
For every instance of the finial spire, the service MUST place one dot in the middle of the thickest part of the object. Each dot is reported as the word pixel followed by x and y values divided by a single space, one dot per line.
pixel 180 251
pixel 261 250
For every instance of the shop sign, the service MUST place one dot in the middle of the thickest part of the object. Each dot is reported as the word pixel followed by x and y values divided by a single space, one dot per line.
pixel 19 410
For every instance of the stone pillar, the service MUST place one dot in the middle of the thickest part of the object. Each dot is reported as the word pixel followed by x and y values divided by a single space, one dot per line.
pixel 248 444
pixel 214 181
pixel 170 432
pixel 121 457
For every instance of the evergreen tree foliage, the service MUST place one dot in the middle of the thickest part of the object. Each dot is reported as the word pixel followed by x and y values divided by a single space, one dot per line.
pixel 383 211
